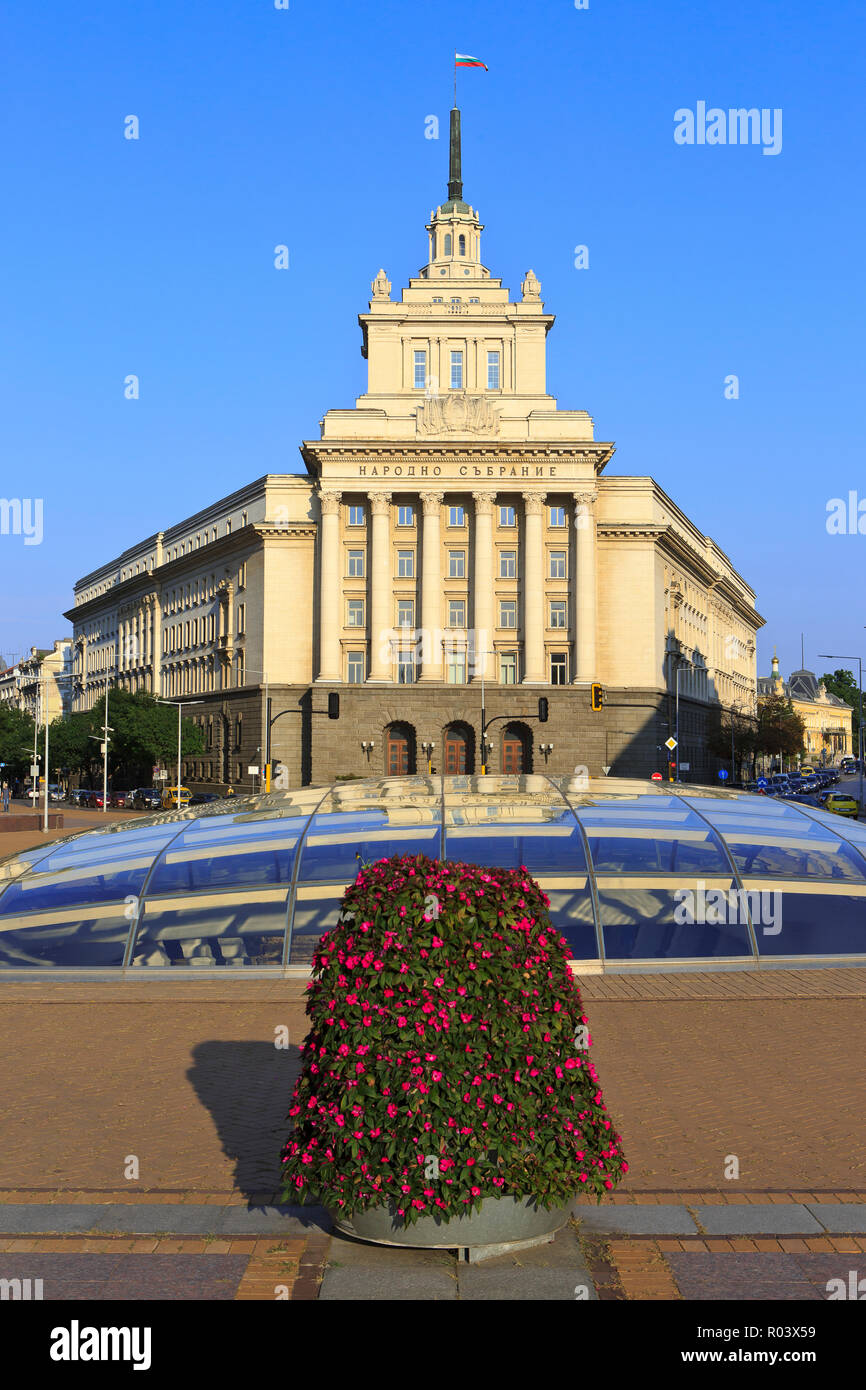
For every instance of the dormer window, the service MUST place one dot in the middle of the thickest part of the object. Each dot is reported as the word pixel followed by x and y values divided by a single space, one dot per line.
pixel 447 243
pixel 462 245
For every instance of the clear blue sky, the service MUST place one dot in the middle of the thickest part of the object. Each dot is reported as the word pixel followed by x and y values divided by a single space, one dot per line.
pixel 306 127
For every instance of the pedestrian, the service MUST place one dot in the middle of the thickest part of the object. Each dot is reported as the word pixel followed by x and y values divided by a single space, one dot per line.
pixel 5 796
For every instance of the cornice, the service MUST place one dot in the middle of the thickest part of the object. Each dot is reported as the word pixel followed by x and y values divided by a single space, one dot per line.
pixel 518 451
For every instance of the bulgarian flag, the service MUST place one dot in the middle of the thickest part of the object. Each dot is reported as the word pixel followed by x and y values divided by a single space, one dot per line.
pixel 463 60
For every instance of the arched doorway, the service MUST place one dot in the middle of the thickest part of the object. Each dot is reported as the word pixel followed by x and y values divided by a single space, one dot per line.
pixel 399 750
pixel 516 749
pixel 459 750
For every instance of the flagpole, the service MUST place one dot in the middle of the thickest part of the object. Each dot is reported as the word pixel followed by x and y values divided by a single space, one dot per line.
pixel 455 77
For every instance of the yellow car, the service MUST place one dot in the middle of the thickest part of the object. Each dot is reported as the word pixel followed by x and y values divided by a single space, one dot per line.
pixel 841 804
pixel 170 798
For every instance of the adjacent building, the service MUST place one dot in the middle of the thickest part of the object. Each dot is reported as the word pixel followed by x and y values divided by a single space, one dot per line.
pixel 828 721
pixel 454 545
pixel 40 684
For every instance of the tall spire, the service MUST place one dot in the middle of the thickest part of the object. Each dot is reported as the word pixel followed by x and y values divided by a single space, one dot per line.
pixel 455 173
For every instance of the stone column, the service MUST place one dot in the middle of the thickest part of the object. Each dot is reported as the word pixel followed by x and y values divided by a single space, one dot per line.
pixel 331 587
pixel 585 588
pixel 482 586
pixel 156 645
pixel 431 588
pixel 381 618
pixel 533 591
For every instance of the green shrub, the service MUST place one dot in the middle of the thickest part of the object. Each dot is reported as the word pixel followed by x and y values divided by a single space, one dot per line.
pixel 447 1055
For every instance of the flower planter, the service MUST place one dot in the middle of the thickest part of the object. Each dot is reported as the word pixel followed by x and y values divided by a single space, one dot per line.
pixel 500 1221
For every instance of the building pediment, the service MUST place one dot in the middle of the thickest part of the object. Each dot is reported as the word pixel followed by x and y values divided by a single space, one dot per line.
pixel 458 413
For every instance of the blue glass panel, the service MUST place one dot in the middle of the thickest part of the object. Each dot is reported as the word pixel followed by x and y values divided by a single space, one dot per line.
pixel 811 924
pixel 235 928
pixel 337 844
pixel 95 937
pixel 647 923
pixel 653 838
pixel 571 913
pixel 548 842
pixel 96 868
pixel 313 917
pixel 228 852
pixel 795 846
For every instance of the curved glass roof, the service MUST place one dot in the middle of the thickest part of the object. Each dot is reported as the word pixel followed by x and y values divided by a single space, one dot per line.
pixel 635 872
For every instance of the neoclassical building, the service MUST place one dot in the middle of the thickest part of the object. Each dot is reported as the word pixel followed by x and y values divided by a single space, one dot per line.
pixel 828 722
pixel 455 542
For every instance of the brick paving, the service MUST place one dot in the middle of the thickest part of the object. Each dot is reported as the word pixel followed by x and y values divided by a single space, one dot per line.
pixel 185 1076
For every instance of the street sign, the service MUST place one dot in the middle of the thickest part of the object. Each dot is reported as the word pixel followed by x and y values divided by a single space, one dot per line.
pixel 670 743
pixel 34 770
pixel 656 777
pixel 253 771
pixel 161 775
pixel 685 767
pixel 723 774
pixel 605 770
pixel 762 782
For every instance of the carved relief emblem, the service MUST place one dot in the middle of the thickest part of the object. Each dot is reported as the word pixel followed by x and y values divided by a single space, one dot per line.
pixel 457 413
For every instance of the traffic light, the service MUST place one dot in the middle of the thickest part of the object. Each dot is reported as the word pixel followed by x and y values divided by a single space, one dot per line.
pixel 333 705
pixel 542 709
pixel 597 696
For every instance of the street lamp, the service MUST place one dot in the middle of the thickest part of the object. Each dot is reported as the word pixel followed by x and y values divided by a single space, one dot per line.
pixel 180 704
pixel 428 754
pixel 483 713
pixel 681 667
pixel 829 656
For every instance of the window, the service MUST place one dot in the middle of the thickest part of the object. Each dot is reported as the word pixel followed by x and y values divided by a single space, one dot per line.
pixel 508 668
pixel 406 612
pixel 240 668
pixel 557 516
pixel 447 251
pixel 437 299
pixel 456 612
pixel 558 668
pixel 557 564
pixel 406 668
pixel 241 618
pixel 355 668
pixel 508 564
pixel 406 564
pixel 493 371
pixel 405 516
pixel 474 301
pixel 356 564
pixel 455 670
pixel 558 613
pixel 242 576
pixel 461 244
pixel 356 516
pixel 456 564
pixel 456 371
pixel 506 516
pixel 508 612
pixel 420 380
pixel 243 518
pixel 456 516
pixel 355 616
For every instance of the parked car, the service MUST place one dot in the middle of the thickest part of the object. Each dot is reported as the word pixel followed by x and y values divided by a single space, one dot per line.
pixel 147 799
pixel 78 796
pixel 95 800
pixel 204 798
pixel 171 798
pixel 120 799
pixel 840 804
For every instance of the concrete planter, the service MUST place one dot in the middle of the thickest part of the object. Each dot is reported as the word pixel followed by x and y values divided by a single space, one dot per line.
pixel 502 1221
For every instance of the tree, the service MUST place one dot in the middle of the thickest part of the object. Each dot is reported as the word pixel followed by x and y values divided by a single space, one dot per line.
pixel 143 732
pixel 745 736
pixel 780 729
pixel 16 741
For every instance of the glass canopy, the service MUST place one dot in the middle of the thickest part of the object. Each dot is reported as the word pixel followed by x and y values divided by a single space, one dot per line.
pixel 635 872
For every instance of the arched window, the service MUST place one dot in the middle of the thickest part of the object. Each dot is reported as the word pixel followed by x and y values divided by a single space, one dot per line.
pixel 462 245
pixel 447 243
pixel 516 749
pixel 399 750
pixel 459 750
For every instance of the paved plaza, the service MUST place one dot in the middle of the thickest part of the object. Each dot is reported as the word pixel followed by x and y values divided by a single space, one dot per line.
pixel 182 1083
